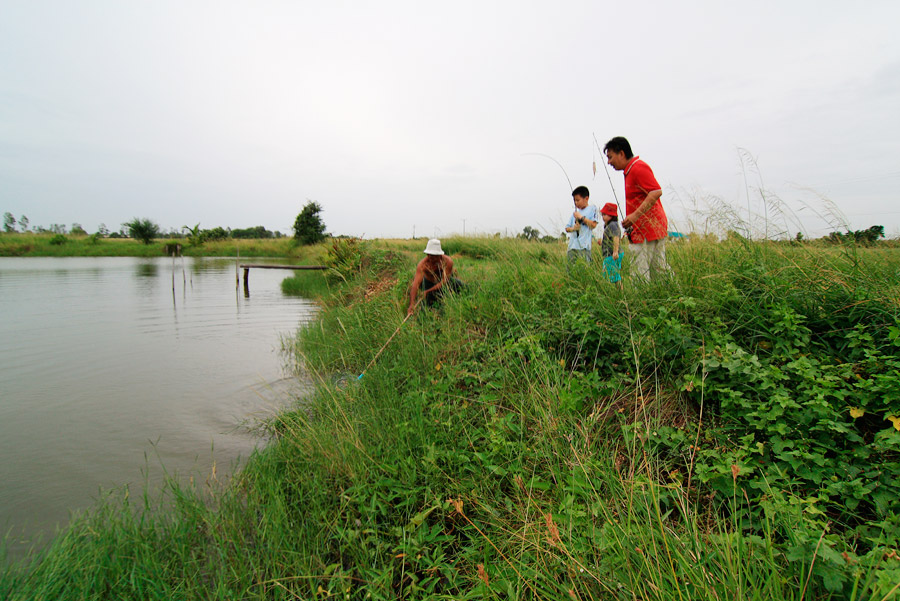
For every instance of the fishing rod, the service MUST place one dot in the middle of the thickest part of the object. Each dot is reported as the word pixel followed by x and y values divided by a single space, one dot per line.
pixel 606 168
pixel 611 185
pixel 383 347
pixel 547 156
pixel 378 354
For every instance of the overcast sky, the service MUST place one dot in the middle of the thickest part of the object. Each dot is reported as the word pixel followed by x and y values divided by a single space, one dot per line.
pixel 427 118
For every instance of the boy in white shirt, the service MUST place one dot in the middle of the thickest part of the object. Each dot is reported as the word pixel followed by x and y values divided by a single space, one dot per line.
pixel 581 224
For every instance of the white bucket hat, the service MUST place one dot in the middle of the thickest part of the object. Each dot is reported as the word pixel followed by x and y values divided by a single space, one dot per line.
pixel 433 247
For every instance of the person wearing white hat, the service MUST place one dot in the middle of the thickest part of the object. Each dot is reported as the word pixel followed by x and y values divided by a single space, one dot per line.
pixel 434 275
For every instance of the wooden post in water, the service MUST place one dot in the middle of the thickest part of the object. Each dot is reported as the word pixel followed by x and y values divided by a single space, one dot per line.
pixel 246 282
pixel 173 278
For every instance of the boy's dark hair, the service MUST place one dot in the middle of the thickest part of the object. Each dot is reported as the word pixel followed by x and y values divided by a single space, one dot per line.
pixel 581 191
pixel 619 144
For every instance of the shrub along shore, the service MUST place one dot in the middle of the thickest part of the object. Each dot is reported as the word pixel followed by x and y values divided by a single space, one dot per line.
pixel 732 433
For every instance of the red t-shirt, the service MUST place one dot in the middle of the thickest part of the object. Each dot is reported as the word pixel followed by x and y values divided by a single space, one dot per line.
pixel 639 182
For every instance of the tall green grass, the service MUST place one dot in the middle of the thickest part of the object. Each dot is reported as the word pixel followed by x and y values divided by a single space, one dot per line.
pixel 545 435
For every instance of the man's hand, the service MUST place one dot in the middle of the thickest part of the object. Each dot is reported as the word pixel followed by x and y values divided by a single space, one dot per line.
pixel 644 207
pixel 411 310
pixel 577 215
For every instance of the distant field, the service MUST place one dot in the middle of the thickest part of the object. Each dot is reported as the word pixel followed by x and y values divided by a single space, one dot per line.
pixel 43 245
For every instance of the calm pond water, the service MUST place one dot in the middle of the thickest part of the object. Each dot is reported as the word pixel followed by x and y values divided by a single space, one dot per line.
pixel 106 376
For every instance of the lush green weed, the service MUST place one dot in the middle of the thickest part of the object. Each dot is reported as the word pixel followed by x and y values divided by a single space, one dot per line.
pixel 726 434
pixel 744 378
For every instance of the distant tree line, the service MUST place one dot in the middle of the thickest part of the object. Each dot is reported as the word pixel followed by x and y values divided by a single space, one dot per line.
pixel 533 234
pixel 138 228
pixel 144 230
pixel 258 232
pixel 197 236
pixel 9 223
pixel 866 237
pixel 309 228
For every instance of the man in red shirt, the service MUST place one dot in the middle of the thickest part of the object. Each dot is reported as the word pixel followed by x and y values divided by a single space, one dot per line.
pixel 645 214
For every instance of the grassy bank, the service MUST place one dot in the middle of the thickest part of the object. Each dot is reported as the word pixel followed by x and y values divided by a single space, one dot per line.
pixel 731 434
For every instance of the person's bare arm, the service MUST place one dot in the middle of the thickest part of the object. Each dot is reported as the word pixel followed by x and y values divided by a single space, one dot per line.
pixel 615 251
pixel 645 206
pixel 414 287
pixel 579 220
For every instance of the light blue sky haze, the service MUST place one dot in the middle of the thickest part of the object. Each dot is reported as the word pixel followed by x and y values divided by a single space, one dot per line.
pixel 411 116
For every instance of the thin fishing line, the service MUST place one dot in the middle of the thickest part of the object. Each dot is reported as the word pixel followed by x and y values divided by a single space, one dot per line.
pixel 608 176
pixel 547 156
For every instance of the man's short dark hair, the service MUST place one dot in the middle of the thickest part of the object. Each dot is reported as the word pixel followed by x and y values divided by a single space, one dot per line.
pixel 619 144
pixel 581 191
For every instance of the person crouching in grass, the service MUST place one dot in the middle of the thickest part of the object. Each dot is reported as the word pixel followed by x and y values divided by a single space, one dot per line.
pixel 610 243
pixel 581 224
pixel 434 275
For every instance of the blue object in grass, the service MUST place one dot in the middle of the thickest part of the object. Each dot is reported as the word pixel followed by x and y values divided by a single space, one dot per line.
pixel 612 266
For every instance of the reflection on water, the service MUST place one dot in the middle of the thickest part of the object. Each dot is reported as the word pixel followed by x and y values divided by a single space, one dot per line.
pixel 211 264
pixel 148 269
pixel 99 358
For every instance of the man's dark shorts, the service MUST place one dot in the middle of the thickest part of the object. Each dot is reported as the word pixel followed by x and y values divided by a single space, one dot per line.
pixel 433 298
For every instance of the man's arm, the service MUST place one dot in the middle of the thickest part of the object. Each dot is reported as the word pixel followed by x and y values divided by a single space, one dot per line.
pixel 414 287
pixel 645 206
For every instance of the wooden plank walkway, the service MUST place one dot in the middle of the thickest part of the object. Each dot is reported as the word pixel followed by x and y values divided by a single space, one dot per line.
pixel 246 267
pixel 256 266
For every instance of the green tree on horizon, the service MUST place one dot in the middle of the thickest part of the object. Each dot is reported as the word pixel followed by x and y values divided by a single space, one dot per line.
pixel 530 233
pixel 309 227
pixel 866 237
pixel 256 232
pixel 9 222
pixel 216 233
pixel 194 234
pixel 142 229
